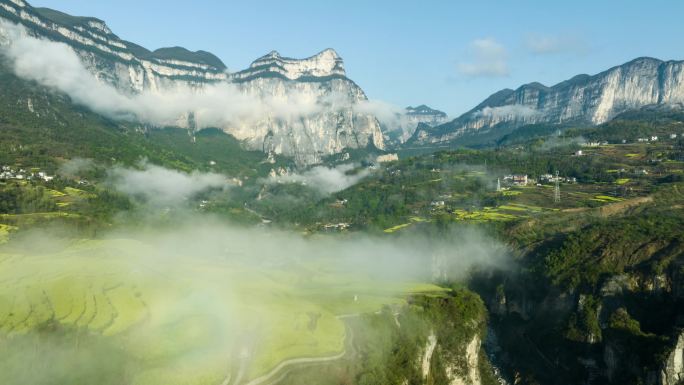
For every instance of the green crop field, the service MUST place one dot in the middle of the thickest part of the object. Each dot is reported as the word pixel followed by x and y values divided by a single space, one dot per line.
pixel 4 232
pixel 186 321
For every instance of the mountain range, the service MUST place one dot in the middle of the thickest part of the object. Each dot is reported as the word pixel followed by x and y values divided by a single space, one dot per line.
pixel 584 99
pixel 308 109
pixel 315 103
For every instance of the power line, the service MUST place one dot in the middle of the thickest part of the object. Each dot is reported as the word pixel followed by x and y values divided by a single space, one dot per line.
pixel 556 192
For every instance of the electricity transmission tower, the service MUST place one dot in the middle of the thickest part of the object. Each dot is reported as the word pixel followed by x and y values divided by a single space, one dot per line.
pixel 556 191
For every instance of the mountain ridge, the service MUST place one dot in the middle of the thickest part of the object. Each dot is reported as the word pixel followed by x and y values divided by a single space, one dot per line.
pixel 585 99
pixel 329 121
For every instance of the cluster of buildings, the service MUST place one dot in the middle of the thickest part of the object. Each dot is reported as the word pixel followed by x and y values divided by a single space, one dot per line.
pixel 647 139
pixel 387 158
pixel 336 226
pixel 548 178
pixel 524 180
pixel 516 180
pixel 595 144
pixel 655 138
pixel 8 172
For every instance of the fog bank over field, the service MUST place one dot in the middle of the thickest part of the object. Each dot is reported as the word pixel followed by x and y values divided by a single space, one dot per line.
pixel 172 295
pixel 243 294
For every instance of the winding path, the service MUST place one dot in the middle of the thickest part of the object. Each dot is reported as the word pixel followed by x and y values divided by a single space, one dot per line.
pixel 294 361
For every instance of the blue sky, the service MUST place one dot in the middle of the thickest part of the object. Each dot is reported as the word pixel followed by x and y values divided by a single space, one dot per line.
pixel 448 54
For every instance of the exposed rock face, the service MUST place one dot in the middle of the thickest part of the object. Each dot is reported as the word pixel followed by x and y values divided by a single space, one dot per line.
pixel 465 372
pixel 124 64
pixel 619 320
pixel 325 64
pixel 426 115
pixel 132 69
pixel 427 354
pixel 329 131
pixel 673 372
pixel 472 359
pixel 583 99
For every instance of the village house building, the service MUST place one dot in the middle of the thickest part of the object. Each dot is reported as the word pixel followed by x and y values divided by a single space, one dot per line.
pixel 517 180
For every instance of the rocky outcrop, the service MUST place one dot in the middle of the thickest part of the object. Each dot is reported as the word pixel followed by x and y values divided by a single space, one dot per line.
pixel 427 354
pixel 326 64
pixel 472 362
pixel 623 327
pixel 330 123
pixel 673 370
pixel 462 371
pixel 582 99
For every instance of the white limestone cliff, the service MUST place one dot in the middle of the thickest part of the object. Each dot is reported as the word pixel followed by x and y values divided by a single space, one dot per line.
pixel 308 137
pixel 582 99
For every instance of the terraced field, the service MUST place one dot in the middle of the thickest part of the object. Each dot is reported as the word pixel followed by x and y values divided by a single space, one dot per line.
pixel 175 319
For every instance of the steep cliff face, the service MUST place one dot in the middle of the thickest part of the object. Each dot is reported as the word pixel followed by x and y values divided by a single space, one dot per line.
pixel 472 360
pixel 600 304
pixel 121 63
pixel 582 99
pixel 673 371
pixel 329 124
pixel 464 371
pixel 329 128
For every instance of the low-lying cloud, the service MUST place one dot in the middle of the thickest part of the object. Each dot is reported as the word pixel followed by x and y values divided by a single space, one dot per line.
pixel 194 294
pixel 510 111
pixel 75 167
pixel 204 299
pixel 391 117
pixel 57 65
pixel 162 186
pixel 557 141
pixel 326 180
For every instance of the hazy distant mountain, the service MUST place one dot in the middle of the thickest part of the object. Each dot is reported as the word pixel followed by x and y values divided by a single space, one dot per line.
pixel 584 99
pixel 325 122
pixel 408 121
pixel 425 114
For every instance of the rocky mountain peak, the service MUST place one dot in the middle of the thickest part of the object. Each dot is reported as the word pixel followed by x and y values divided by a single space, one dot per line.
pixel 272 55
pixel 324 64
pixel 425 110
